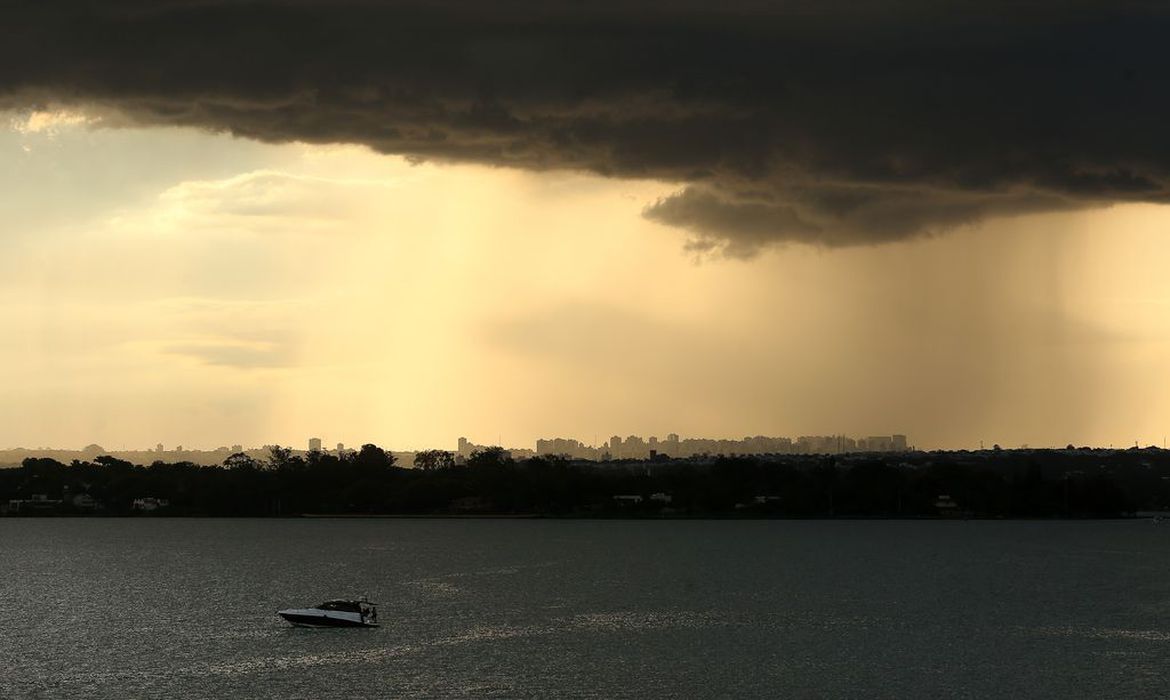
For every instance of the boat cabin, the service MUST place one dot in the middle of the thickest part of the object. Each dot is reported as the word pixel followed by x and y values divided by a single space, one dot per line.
pixel 365 609
pixel 353 606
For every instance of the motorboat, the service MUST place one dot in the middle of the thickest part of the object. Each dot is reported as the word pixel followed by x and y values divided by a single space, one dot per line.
pixel 334 613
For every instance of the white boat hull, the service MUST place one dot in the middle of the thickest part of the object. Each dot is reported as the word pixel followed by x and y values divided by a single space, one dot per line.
pixel 312 617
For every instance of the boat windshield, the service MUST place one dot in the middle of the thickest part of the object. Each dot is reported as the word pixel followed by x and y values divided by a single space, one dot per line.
pixel 340 606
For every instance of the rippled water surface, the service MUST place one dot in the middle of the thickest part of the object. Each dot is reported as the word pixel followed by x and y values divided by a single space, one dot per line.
pixel 185 608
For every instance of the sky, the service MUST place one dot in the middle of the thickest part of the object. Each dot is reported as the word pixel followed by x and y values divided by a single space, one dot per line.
pixel 401 222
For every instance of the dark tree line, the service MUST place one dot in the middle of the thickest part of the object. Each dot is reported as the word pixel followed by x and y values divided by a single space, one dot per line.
pixel 1032 483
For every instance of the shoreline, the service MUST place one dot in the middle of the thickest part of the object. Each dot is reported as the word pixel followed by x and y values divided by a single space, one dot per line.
pixel 544 516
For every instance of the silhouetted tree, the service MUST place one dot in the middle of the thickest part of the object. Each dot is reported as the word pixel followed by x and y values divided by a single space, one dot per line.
pixel 240 460
pixel 278 457
pixel 434 459
pixel 112 462
pixel 494 456
pixel 41 464
pixel 372 457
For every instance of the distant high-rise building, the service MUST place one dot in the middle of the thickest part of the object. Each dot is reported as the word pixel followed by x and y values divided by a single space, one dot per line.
pixel 340 448
pixel 635 446
pixel 464 447
pixel 672 445
pixel 159 447
pixel 314 444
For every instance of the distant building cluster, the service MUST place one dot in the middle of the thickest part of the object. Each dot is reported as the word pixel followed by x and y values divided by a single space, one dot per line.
pixel 465 449
pixel 635 447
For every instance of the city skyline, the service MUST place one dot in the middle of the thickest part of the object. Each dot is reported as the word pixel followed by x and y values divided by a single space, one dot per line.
pixel 757 444
pixel 615 448
pixel 317 443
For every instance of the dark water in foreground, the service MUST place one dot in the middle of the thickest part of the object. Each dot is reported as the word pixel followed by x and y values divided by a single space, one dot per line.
pixel 184 608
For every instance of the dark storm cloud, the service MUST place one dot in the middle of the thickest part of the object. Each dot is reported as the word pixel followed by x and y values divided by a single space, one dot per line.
pixel 829 123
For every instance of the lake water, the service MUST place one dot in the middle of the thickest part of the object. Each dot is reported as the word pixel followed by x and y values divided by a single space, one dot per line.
pixel 586 608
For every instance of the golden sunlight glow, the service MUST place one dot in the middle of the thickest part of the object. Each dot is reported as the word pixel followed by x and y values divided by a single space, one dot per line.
pixel 271 293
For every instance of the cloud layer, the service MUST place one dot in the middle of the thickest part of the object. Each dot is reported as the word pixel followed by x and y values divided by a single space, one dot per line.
pixel 828 123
